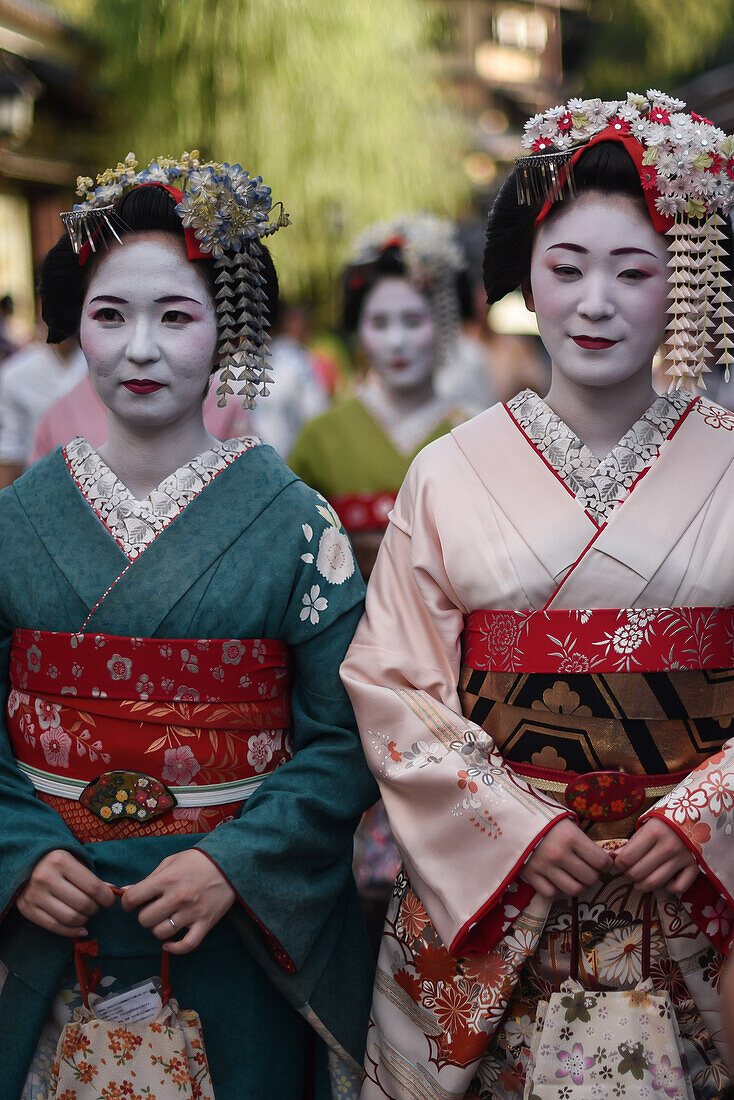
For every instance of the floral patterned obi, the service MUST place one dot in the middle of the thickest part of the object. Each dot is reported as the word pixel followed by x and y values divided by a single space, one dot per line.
pixel 605 710
pixel 208 718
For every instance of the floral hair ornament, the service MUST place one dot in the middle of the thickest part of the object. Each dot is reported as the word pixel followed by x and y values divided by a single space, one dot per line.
pixel 225 213
pixel 433 259
pixel 686 168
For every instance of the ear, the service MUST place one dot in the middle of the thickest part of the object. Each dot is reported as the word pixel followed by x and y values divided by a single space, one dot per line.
pixel 527 293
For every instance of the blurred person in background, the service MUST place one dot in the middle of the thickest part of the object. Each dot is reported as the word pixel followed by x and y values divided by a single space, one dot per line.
pixel 511 360
pixel 322 348
pixel 30 382
pixel 403 292
pixel 488 366
pixel 298 392
pixel 7 344
pixel 82 412
pixel 402 301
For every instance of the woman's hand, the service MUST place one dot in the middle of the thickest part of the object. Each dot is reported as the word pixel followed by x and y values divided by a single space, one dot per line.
pixel 62 894
pixel 186 892
pixel 565 862
pixel 657 859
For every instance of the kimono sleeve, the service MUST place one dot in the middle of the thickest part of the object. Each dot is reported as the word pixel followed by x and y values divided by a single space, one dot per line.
pixel 289 855
pixel 464 822
pixel 701 811
pixel 29 829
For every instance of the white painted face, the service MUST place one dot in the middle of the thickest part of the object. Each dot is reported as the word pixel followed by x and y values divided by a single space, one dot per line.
pixel 599 288
pixel 398 334
pixel 149 330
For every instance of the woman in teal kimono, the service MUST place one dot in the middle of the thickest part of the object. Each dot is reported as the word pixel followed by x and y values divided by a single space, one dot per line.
pixel 173 612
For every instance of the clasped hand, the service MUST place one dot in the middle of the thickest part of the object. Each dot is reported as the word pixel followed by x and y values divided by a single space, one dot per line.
pixel 185 893
pixel 567 862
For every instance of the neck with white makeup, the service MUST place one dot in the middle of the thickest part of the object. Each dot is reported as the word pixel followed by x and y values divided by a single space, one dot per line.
pixel 600 415
pixel 144 456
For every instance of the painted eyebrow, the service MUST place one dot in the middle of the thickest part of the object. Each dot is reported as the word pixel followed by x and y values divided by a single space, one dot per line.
pixel 615 251
pixel 629 251
pixel 569 247
pixel 176 298
pixel 159 301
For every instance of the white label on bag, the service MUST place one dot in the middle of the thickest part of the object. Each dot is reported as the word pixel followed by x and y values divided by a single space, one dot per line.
pixel 136 1005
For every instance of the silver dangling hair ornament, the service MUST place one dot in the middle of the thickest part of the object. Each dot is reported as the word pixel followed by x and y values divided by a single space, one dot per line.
pixel 243 326
pixel 242 318
pixel 88 226
pixel 544 176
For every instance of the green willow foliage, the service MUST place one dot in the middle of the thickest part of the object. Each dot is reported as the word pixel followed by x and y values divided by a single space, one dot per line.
pixel 637 44
pixel 334 102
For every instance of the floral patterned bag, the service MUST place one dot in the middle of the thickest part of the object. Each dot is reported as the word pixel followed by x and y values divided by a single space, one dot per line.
pixel 160 1057
pixel 607 1044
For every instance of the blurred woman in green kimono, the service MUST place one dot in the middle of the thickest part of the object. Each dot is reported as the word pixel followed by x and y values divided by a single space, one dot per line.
pixel 173 611
pixel 404 291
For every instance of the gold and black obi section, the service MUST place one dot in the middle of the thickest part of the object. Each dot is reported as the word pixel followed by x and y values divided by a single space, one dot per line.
pixel 608 744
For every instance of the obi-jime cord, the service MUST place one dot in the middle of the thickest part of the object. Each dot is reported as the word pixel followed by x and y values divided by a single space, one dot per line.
pixel 549 635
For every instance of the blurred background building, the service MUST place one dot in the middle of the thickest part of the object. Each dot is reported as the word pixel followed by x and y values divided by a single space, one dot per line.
pixel 47 118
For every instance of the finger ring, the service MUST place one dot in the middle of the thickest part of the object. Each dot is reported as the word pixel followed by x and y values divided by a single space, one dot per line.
pixel 173 924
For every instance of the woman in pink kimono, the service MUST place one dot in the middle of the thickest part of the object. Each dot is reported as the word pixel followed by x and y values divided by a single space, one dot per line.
pixel 544 674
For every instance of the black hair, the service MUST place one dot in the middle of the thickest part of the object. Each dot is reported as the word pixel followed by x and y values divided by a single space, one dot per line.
pixel 606 167
pixel 360 279
pixel 63 281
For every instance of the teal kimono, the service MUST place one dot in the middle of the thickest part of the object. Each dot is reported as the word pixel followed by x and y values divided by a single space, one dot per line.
pixel 238 561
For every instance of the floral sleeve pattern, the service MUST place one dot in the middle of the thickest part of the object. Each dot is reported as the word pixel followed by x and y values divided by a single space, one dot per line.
pixel 701 810
pixel 328 550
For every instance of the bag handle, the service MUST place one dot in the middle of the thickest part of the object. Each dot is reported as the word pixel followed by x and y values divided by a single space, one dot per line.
pixel 84 949
pixel 592 980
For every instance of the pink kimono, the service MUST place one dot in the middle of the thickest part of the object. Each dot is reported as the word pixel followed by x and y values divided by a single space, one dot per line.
pixel 547 634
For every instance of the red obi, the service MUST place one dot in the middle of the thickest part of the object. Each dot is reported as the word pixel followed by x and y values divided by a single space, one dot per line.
pixel 364 511
pixel 208 718
pixel 600 641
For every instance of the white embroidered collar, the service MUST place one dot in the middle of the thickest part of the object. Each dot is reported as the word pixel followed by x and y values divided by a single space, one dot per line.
pixel 599 484
pixel 135 523
pixel 406 431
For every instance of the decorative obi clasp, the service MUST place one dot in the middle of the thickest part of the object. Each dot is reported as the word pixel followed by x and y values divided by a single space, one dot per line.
pixel 117 795
pixel 605 796
pixel 601 795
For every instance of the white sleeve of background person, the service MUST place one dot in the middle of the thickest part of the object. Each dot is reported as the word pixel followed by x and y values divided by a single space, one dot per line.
pixel 16 429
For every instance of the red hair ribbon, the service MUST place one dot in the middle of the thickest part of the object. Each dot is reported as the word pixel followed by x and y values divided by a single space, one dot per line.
pixel 661 222
pixel 392 242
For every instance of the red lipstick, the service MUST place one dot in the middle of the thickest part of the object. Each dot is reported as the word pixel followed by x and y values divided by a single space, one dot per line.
pixel 142 385
pixel 593 343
